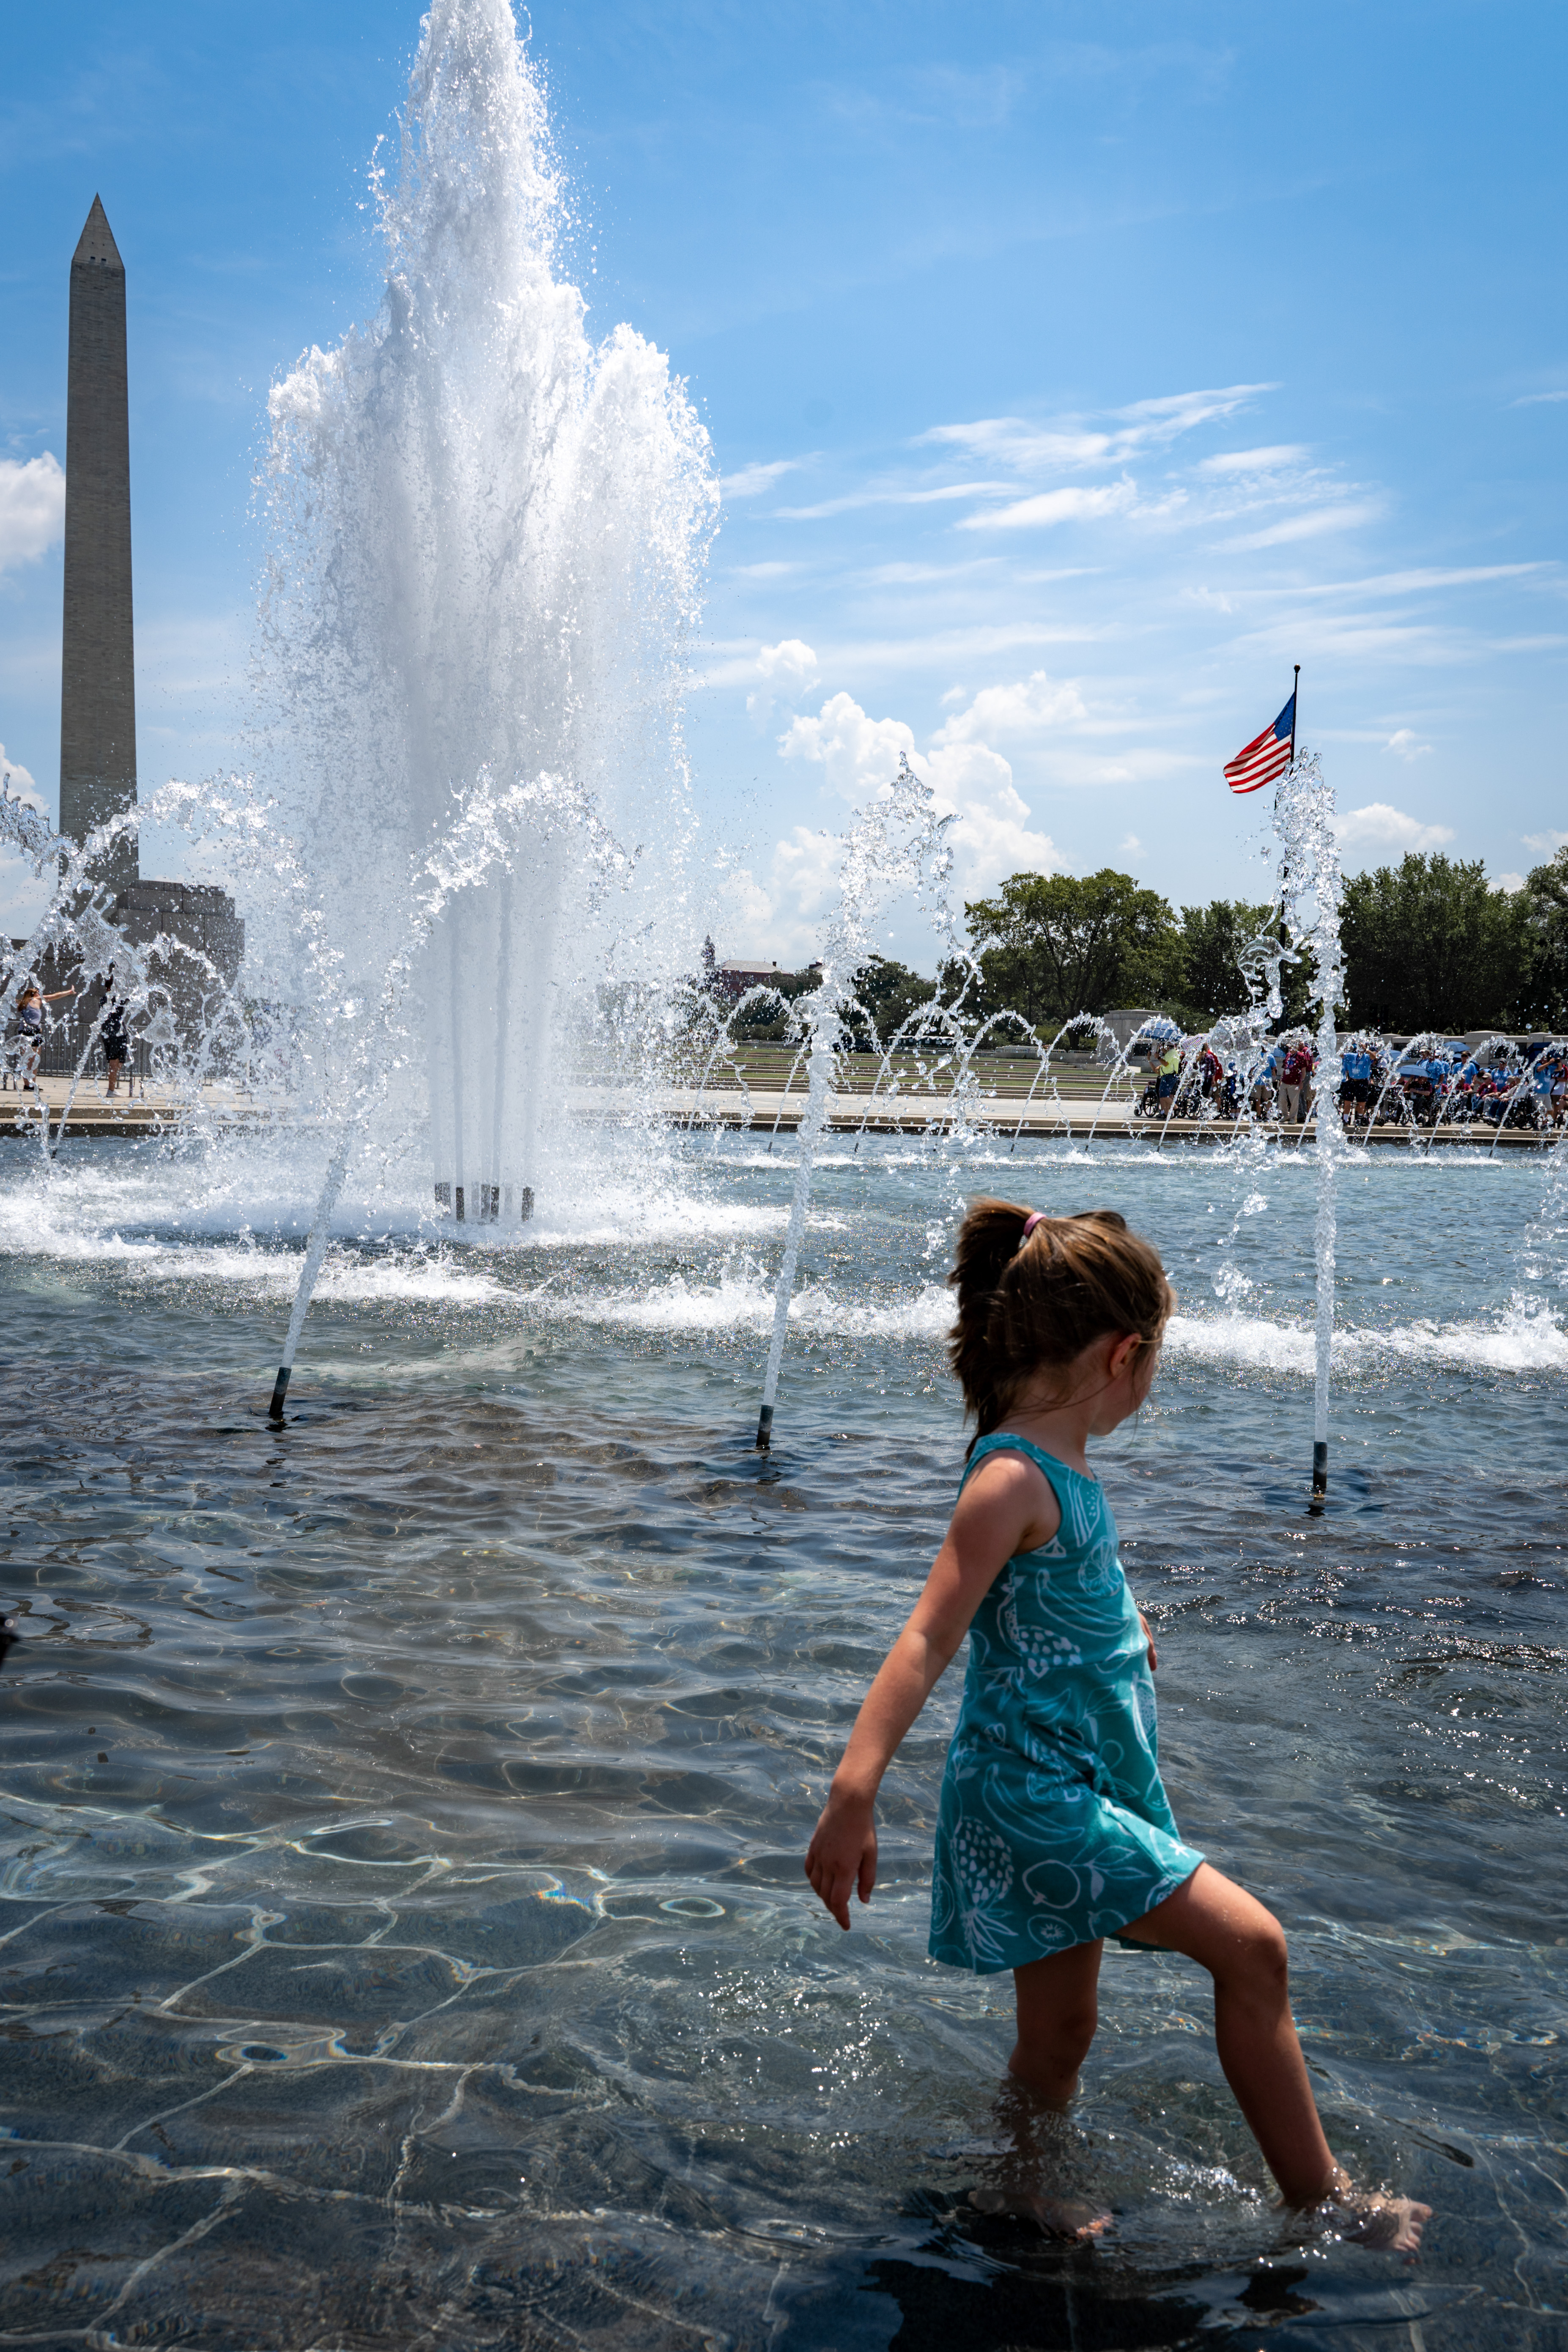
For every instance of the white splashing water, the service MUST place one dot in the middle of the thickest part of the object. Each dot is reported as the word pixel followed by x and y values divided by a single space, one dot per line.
pixel 488 539
pixel 898 844
pixel 1312 889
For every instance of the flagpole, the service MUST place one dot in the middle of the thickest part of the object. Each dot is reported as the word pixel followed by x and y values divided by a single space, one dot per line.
pixel 1284 875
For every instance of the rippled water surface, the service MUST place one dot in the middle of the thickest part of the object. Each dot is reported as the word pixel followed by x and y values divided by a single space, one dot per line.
pixel 404 1936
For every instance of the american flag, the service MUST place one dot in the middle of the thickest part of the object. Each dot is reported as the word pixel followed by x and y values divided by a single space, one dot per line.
pixel 1266 756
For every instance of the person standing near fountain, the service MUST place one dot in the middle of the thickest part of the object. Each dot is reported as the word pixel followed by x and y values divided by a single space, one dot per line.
pixel 1054 1830
pixel 1296 1083
pixel 113 1034
pixel 30 1017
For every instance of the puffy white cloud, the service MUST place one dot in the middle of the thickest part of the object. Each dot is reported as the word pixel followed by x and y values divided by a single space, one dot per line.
pixel 859 754
pixel 1547 843
pixel 1381 826
pixel 1028 708
pixel 32 507
pixel 1406 744
pixel 783 670
pixel 745 914
pixel 780 916
pixel 993 836
pixel 19 781
pixel 24 895
pixel 1509 882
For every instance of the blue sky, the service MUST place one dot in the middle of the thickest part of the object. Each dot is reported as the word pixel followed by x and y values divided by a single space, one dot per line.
pixel 1072 372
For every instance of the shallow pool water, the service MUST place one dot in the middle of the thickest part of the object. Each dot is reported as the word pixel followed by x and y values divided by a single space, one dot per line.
pixel 404 1934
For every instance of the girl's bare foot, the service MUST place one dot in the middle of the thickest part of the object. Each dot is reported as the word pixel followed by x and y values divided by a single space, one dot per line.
pixel 1058 2217
pixel 1392 2224
pixel 1370 2217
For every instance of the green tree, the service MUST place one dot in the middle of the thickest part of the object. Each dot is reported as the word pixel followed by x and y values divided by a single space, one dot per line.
pixel 1429 944
pixel 1214 939
pixel 1545 916
pixel 1052 945
pixel 889 992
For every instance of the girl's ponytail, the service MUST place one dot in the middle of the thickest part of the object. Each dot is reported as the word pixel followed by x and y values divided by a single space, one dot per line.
pixel 1034 1291
pixel 988 1240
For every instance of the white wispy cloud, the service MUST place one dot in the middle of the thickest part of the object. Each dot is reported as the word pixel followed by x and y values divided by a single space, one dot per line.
pixel 1547 843
pixel 1538 399
pixel 1051 506
pixel 1310 524
pixel 1405 584
pixel 751 481
pixel 1074 442
pixel 951 648
pixel 1406 744
pixel 1379 825
pixel 892 494
pixel 32 507
pixel 1256 461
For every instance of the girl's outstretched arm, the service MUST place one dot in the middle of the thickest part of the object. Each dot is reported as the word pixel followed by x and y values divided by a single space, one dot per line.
pixel 1007 1507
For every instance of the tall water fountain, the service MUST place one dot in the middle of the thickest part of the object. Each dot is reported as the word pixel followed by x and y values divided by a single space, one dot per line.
pixel 487 542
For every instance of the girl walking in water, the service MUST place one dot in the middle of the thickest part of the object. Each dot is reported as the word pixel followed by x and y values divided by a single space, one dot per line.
pixel 1054 1830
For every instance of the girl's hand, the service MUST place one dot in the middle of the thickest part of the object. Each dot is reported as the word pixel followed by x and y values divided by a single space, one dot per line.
pixel 843 1853
pixel 1154 1653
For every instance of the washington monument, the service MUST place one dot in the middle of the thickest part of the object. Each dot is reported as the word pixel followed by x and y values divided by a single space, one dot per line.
pixel 98 685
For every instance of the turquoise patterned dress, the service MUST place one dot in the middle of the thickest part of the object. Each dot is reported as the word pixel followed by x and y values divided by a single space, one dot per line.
pixel 1053 1828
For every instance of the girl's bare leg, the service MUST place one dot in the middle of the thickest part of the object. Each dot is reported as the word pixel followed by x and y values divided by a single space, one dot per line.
pixel 1058 2012
pixel 1058 2009
pixel 1228 1932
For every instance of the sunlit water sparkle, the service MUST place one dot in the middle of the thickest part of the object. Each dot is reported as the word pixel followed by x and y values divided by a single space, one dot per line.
pixel 405 1933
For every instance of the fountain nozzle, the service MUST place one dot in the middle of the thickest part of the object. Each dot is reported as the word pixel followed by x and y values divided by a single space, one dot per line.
pixel 765 1429
pixel 1319 1465
pixel 279 1391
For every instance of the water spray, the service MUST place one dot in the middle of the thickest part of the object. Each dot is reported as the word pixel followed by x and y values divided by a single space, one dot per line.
pixel 898 843
pixel 1311 893
pixel 493 830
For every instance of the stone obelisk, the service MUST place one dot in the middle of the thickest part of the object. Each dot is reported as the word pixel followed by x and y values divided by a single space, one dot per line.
pixel 98 683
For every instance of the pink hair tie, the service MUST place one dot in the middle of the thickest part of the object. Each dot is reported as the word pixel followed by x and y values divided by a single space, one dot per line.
pixel 1035 1217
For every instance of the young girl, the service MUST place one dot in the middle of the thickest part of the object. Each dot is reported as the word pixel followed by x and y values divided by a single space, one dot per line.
pixel 1054 1831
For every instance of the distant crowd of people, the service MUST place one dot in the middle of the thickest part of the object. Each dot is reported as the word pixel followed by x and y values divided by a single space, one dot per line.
pixel 1513 1085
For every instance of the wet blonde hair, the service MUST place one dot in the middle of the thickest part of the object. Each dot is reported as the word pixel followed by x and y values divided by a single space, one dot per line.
pixel 1029 1304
